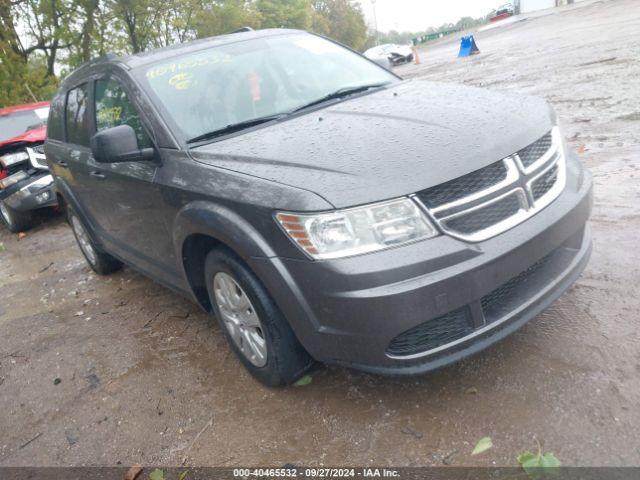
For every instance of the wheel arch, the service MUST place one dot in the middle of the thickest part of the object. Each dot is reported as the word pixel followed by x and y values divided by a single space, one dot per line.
pixel 203 226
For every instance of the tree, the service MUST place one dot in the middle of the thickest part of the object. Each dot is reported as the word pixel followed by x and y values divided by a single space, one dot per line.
pixel 23 81
pixel 285 13
pixel 89 10
pixel 221 17
pixel 8 34
pixel 341 20
pixel 47 28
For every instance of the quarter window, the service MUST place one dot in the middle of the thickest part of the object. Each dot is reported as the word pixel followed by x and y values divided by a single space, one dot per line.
pixel 55 126
pixel 113 108
pixel 77 116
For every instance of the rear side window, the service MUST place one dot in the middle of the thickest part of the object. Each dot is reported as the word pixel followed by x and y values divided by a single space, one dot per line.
pixel 77 116
pixel 55 126
pixel 113 108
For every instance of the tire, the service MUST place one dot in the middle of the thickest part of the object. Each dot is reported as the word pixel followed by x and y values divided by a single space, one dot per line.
pixel 15 220
pixel 285 359
pixel 100 262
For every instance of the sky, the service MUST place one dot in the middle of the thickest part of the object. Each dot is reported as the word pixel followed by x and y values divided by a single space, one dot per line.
pixel 416 15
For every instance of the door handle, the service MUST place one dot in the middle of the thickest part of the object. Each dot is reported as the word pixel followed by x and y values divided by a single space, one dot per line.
pixel 62 164
pixel 98 174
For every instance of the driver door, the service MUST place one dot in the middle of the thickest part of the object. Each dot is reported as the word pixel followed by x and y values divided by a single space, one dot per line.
pixel 135 202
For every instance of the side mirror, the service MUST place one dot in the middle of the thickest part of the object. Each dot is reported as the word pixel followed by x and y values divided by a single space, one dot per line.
pixel 118 144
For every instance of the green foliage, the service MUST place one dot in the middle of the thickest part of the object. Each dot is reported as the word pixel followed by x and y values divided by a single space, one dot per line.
pixel 341 20
pixel 157 474
pixel 223 17
pixel 306 380
pixel 23 81
pixel 285 13
pixel 538 465
pixel 483 445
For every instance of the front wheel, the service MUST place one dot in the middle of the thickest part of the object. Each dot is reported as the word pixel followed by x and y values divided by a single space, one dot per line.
pixel 257 331
pixel 101 262
pixel 15 220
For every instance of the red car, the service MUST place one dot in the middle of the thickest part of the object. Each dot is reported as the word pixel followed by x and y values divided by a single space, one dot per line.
pixel 25 181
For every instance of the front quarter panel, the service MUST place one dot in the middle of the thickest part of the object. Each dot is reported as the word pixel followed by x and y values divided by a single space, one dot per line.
pixel 234 208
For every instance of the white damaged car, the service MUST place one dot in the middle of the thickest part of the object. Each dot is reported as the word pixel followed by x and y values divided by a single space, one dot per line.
pixel 395 54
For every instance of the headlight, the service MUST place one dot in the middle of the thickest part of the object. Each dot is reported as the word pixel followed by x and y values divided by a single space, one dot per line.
pixel 353 231
pixel 13 179
pixel 13 158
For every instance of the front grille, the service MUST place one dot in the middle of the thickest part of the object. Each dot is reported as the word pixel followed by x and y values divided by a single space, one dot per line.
pixel 529 154
pixel 497 300
pixel 464 186
pixel 474 207
pixel 39 149
pixel 485 217
pixel 432 334
pixel 545 183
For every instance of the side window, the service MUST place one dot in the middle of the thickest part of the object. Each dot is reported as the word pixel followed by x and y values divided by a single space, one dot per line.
pixel 55 125
pixel 77 116
pixel 114 108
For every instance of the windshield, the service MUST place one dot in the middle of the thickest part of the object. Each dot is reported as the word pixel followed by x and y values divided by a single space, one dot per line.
pixel 18 123
pixel 235 83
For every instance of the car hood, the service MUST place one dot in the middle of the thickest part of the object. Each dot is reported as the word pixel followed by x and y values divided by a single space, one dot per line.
pixel 386 144
pixel 37 135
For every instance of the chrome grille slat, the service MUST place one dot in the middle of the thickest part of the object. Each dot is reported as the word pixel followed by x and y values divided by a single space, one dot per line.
pixel 500 195
pixel 461 187
pixel 471 221
pixel 531 153
pixel 544 182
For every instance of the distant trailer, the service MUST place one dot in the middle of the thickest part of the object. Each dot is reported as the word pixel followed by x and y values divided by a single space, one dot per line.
pixel 502 16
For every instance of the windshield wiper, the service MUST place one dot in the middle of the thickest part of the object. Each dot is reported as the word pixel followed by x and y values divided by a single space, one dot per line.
pixel 341 93
pixel 235 127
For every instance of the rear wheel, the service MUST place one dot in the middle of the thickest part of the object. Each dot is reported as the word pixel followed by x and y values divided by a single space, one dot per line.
pixel 102 263
pixel 14 220
pixel 257 331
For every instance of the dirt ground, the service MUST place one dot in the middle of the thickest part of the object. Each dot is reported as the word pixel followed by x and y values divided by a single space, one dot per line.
pixel 102 371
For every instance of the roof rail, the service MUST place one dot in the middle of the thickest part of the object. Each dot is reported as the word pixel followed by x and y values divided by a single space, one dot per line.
pixel 107 56
pixel 242 29
pixel 97 60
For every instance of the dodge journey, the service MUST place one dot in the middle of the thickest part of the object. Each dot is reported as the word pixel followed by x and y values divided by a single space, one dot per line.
pixel 317 205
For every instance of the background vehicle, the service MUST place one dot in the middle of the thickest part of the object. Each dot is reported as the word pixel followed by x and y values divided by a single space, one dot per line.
pixel 502 12
pixel 318 205
pixel 396 54
pixel 25 181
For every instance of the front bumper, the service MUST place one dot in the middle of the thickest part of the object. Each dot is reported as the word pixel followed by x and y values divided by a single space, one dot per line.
pixel 401 59
pixel 349 311
pixel 37 191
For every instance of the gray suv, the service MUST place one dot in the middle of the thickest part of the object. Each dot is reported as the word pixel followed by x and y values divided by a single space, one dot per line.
pixel 318 206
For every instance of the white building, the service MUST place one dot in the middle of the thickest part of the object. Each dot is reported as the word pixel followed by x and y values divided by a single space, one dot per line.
pixel 524 6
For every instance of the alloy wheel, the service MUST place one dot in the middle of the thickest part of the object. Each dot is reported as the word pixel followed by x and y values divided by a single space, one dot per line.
pixel 5 214
pixel 83 240
pixel 240 318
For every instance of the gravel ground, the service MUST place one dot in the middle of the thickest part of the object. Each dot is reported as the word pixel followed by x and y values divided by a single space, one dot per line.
pixel 98 371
